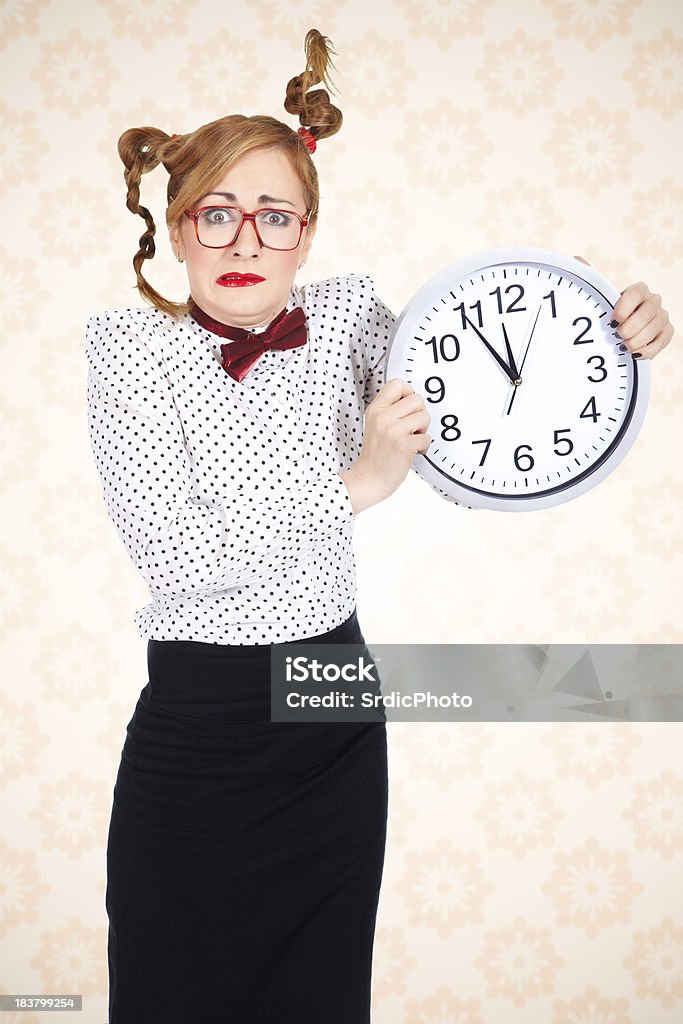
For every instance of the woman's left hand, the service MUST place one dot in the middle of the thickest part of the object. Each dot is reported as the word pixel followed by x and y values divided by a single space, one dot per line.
pixel 643 324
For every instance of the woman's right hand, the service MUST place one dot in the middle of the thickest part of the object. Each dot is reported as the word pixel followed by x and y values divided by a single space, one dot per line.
pixel 395 425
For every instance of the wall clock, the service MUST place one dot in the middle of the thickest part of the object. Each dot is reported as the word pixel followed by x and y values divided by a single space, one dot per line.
pixel 534 398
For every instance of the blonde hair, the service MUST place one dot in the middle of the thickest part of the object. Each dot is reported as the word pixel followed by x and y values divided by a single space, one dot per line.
pixel 197 161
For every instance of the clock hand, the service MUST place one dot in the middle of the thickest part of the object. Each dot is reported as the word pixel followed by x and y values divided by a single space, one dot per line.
pixel 511 358
pixel 538 313
pixel 530 337
pixel 492 350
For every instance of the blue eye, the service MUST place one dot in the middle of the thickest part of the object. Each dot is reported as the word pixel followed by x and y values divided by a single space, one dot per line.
pixel 275 218
pixel 217 215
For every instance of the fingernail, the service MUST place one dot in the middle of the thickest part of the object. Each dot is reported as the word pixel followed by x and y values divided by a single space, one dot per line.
pixel 613 323
pixel 636 355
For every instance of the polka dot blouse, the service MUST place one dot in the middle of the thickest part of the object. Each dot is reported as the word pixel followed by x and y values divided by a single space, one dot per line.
pixel 227 495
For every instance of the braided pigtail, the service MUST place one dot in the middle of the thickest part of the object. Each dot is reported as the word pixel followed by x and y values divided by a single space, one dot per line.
pixel 141 150
pixel 314 108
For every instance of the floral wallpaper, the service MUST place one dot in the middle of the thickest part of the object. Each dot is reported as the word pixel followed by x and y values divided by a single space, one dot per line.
pixel 533 870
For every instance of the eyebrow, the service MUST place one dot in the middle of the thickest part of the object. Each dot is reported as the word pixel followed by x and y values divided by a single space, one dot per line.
pixel 261 199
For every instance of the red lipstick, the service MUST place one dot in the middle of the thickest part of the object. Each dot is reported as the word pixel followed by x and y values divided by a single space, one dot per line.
pixel 238 280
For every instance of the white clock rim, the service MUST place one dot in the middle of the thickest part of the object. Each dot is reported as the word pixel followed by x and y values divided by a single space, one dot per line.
pixel 484 260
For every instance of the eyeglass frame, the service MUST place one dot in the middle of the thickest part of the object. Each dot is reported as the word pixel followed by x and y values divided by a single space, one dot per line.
pixel 193 215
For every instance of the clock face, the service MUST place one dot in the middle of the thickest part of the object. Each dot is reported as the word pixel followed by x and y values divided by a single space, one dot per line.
pixel 533 396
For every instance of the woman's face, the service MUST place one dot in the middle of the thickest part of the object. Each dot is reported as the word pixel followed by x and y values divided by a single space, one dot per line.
pixel 260 172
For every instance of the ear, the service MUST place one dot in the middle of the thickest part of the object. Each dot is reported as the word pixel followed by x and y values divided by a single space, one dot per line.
pixel 310 235
pixel 176 240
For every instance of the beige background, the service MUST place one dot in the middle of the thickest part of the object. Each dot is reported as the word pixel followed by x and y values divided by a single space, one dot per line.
pixel 533 872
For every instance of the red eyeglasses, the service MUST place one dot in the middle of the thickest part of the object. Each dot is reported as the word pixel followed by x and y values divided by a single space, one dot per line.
pixel 217 227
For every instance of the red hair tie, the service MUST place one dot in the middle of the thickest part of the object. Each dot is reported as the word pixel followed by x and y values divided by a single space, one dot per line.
pixel 175 136
pixel 307 138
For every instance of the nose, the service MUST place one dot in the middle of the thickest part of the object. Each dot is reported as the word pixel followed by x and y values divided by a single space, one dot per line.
pixel 247 242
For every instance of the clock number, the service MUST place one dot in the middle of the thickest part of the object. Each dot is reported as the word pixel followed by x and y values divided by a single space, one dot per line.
pixel 440 387
pixel 524 455
pixel 450 426
pixel 487 442
pixel 551 296
pixel 580 340
pixel 560 440
pixel 442 348
pixel 475 305
pixel 512 308
pixel 600 368
pixel 593 414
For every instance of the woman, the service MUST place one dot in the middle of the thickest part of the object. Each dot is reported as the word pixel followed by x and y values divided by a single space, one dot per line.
pixel 245 856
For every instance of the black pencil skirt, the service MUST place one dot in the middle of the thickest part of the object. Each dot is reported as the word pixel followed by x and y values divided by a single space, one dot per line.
pixel 244 856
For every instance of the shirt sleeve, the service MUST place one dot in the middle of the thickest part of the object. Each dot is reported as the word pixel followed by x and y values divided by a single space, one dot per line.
pixel 181 546
pixel 376 330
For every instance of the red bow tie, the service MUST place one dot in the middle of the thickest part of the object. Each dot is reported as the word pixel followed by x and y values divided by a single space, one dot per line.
pixel 287 330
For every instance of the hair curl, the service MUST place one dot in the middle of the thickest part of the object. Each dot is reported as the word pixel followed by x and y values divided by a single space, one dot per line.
pixel 198 160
